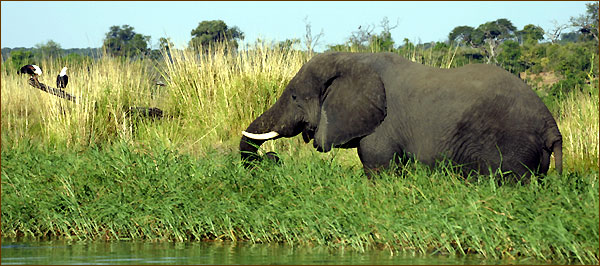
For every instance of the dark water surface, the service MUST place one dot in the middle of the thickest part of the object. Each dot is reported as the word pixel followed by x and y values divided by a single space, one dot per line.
pixel 138 252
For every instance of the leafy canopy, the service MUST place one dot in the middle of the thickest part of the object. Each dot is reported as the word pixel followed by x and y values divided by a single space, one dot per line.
pixel 215 31
pixel 124 41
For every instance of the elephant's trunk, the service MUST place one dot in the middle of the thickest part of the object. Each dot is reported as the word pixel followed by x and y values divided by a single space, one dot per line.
pixel 283 119
pixel 259 131
pixel 248 150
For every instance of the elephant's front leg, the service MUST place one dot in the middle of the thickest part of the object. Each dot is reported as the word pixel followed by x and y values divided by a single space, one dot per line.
pixel 376 154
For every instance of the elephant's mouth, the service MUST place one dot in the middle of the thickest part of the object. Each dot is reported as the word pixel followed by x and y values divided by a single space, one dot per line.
pixel 307 135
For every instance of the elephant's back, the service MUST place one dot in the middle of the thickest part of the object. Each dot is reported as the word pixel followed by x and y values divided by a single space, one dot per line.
pixel 467 111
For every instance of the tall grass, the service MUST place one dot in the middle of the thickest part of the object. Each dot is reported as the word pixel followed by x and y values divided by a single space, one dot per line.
pixel 151 193
pixel 208 100
pixel 578 122
pixel 89 171
pixel 218 94
pixel 109 85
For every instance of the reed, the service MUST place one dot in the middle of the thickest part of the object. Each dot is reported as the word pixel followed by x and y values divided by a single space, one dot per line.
pixel 89 171
pixel 151 193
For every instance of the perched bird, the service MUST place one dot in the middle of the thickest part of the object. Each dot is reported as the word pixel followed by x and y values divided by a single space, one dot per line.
pixel 33 70
pixel 62 79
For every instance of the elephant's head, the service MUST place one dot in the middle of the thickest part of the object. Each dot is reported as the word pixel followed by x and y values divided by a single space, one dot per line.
pixel 333 99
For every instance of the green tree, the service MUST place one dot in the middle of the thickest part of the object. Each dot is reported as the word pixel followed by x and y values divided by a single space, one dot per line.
pixel 165 43
pixel 17 59
pixel 492 34
pixel 383 41
pixel 124 41
pixel 461 35
pixel 588 22
pixel 215 31
pixel 510 57
pixel 365 40
pixel 48 50
pixel 530 33
pixel 288 44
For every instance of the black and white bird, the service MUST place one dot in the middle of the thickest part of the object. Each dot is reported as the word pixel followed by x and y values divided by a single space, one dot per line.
pixel 62 79
pixel 33 70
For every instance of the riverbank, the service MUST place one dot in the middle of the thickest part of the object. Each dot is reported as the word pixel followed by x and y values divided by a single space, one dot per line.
pixel 138 192
pixel 91 171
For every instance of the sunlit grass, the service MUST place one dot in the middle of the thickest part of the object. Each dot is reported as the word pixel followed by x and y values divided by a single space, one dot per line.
pixel 578 123
pixel 151 193
pixel 88 171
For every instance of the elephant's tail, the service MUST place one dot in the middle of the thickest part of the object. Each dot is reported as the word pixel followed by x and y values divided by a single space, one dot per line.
pixel 557 150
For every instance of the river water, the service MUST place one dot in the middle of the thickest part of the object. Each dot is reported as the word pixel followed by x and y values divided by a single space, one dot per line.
pixel 139 252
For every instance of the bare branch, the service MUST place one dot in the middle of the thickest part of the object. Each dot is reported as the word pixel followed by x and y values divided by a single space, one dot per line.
pixel 150 112
pixel 553 34
pixel 56 92
pixel 311 40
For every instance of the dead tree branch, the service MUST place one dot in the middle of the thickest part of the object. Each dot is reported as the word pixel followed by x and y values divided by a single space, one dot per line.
pixel 56 92
pixel 150 112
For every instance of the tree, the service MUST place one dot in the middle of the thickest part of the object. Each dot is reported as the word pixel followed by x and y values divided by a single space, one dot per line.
pixel 553 34
pixel 383 41
pixel 123 41
pixel 510 56
pixel 530 33
pixel 573 36
pixel 365 39
pixel 362 36
pixel 461 35
pixel 17 59
pixel 165 43
pixel 211 32
pixel 50 49
pixel 588 22
pixel 311 40
pixel 288 44
pixel 493 33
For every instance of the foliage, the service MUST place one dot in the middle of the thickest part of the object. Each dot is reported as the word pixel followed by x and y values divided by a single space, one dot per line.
pixel 210 32
pixel 165 44
pixel 149 192
pixel 288 44
pixel 124 41
pixel 587 23
pixel 50 50
pixel 88 171
pixel 530 34
pixel 511 57
pixel 17 59
pixel 462 35
pixel 365 40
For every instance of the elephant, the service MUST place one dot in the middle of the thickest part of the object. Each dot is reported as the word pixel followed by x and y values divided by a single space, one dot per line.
pixel 479 117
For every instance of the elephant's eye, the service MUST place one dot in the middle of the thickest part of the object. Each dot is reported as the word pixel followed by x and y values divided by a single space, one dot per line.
pixel 293 96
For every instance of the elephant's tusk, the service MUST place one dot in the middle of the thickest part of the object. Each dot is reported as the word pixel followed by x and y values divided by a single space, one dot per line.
pixel 264 136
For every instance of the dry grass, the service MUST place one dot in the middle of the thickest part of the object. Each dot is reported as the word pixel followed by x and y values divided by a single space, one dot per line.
pixel 578 124
pixel 208 101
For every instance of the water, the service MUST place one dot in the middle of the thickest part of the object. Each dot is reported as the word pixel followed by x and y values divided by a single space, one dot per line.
pixel 137 252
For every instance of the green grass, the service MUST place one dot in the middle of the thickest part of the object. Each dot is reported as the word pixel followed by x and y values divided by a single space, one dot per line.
pixel 88 171
pixel 151 193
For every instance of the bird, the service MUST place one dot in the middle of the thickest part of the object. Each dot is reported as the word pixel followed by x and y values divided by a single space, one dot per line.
pixel 33 70
pixel 62 79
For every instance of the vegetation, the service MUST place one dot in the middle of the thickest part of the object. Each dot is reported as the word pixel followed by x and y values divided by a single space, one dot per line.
pixel 123 41
pixel 90 171
pixel 215 32
pixel 149 192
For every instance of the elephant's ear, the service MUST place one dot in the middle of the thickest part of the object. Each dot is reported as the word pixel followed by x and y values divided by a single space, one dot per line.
pixel 353 105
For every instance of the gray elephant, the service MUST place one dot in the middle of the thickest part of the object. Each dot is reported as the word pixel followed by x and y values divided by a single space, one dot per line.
pixel 479 117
